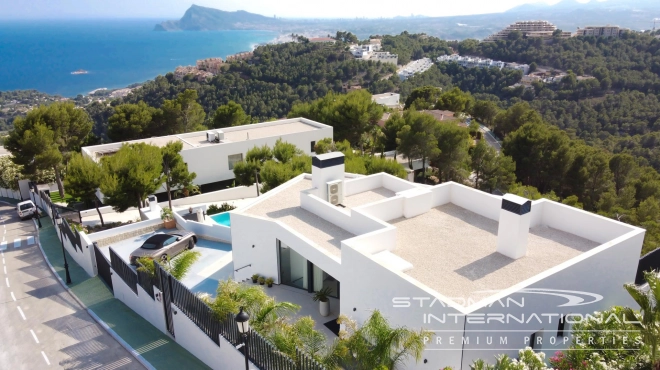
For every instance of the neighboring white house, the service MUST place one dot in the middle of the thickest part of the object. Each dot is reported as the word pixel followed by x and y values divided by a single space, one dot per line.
pixel 486 274
pixel 390 100
pixel 212 154
pixel 414 67
pixel 474 62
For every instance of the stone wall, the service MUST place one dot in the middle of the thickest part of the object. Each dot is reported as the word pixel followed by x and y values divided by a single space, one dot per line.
pixel 128 234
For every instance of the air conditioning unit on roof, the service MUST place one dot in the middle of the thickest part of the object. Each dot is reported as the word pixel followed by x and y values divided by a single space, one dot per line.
pixel 211 136
pixel 335 192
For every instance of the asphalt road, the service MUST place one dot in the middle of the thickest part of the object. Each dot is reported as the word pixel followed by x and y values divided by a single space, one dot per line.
pixel 41 325
pixel 490 138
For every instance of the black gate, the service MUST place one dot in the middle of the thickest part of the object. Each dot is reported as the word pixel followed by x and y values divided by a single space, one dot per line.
pixel 103 266
pixel 165 283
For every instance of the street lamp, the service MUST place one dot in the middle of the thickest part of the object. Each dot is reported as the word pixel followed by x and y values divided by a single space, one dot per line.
pixel 19 187
pixel 243 323
pixel 58 221
pixel 256 179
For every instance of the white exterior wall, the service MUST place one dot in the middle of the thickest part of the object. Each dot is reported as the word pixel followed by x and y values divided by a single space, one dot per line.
pixel 602 271
pixel 190 337
pixel 211 164
pixel 150 309
pixel 239 192
pixel 249 231
pixel 215 232
pixel 370 286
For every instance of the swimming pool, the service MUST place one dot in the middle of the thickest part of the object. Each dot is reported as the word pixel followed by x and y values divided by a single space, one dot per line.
pixel 222 219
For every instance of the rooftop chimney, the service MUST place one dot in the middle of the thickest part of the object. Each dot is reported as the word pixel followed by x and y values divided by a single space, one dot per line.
pixel 325 168
pixel 514 226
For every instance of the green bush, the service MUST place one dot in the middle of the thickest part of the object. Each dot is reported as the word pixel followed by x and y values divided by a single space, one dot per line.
pixel 224 207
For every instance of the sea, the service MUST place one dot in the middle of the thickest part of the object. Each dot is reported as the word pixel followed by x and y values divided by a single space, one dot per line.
pixel 42 54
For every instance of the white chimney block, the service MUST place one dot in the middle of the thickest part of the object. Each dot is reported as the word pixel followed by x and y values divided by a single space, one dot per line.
pixel 325 168
pixel 153 203
pixel 513 230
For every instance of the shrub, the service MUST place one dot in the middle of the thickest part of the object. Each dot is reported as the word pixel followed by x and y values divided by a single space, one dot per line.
pixel 224 207
pixel 166 214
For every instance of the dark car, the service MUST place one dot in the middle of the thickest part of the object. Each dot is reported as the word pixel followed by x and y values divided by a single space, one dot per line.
pixel 163 245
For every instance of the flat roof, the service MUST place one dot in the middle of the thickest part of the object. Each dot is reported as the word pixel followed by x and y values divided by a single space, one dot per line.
pixel 453 251
pixel 197 139
pixel 366 197
pixel 285 207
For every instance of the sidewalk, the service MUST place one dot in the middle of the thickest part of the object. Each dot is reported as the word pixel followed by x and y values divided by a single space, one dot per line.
pixel 157 348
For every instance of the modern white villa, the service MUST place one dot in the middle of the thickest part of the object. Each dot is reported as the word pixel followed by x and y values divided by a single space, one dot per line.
pixel 485 274
pixel 212 154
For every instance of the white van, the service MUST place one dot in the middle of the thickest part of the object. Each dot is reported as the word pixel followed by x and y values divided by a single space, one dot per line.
pixel 26 209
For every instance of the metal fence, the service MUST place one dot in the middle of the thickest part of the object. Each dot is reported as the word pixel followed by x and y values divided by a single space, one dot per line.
pixel 196 310
pixel 124 271
pixel 261 352
pixel 72 235
pixel 147 282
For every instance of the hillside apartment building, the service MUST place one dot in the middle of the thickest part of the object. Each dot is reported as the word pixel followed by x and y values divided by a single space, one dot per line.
pixel 600 31
pixel 486 274
pixel 475 62
pixel 541 29
pixel 212 154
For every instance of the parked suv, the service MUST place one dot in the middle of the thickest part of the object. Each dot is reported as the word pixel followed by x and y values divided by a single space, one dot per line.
pixel 26 209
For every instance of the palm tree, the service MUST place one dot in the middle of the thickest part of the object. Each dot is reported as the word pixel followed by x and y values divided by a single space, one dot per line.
pixel 177 267
pixel 377 345
pixel 647 320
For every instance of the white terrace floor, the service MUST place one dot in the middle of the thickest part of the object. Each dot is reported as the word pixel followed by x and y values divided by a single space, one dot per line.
pixel 308 307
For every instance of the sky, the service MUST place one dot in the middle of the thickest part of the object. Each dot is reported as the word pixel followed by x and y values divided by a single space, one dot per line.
pixel 174 9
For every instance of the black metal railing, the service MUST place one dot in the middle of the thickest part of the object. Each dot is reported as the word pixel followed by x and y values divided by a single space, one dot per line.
pixel 261 352
pixel 198 311
pixel 148 282
pixel 124 271
pixel 102 266
pixel 72 235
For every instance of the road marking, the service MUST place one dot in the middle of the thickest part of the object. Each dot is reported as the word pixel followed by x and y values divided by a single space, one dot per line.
pixel 30 240
pixel 34 336
pixel 3 246
pixel 17 243
pixel 13 297
pixel 5 267
pixel 7 281
pixel 3 260
pixel 45 358
pixel 21 312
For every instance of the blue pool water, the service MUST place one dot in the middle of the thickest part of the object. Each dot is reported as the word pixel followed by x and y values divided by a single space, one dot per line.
pixel 222 219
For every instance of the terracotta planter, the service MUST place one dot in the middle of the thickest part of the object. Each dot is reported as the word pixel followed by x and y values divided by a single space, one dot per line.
pixel 171 224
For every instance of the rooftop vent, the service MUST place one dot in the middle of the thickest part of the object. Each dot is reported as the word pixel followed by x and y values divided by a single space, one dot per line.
pixel 513 229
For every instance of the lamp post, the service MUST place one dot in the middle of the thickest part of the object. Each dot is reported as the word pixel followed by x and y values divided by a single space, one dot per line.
pixel 19 187
pixel 58 221
pixel 256 179
pixel 243 323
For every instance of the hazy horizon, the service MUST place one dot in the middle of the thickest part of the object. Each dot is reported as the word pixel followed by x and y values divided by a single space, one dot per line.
pixel 174 9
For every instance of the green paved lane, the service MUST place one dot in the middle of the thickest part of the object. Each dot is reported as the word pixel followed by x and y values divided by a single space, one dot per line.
pixel 160 350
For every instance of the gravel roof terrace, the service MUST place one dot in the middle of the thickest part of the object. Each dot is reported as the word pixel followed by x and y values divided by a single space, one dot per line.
pixel 453 251
pixel 285 207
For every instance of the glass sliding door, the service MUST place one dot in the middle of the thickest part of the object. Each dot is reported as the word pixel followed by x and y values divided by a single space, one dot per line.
pixel 293 267
pixel 321 280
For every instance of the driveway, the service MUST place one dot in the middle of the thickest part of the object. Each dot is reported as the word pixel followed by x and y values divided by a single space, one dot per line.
pixel 43 326
pixel 214 264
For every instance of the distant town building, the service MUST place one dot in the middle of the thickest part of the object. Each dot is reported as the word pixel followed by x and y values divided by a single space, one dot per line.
pixel 390 100
pixel 322 39
pixel 541 29
pixel 239 56
pixel 414 67
pixel 210 65
pixel 181 71
pixel 473 62
pixel 600 31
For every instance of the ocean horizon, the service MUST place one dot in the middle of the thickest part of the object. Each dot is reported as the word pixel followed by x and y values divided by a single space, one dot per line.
pixel 41 55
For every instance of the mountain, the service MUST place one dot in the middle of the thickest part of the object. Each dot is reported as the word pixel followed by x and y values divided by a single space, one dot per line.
pixel 567 15
pixel 199 18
